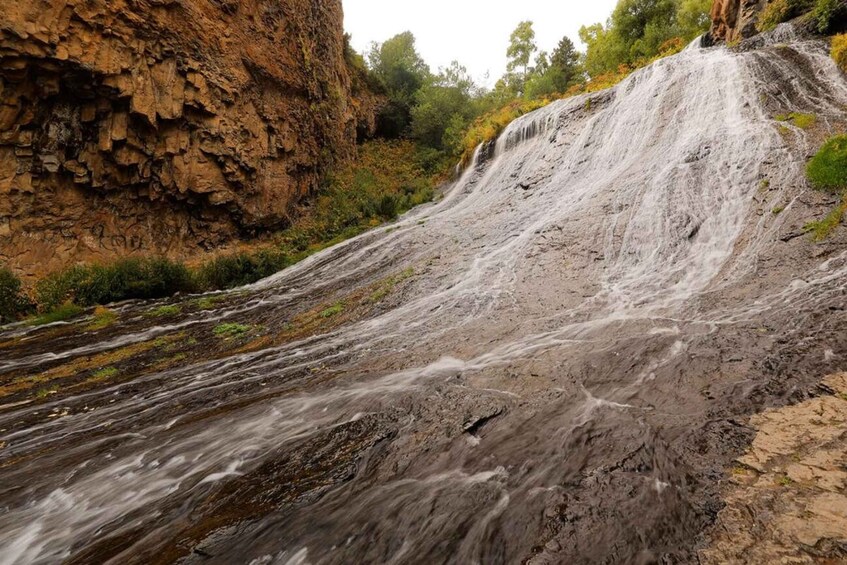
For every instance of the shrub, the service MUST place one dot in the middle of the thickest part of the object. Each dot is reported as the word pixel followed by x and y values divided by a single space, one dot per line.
pixel 230 271
pixel 89 285
pixel 839 51
pixel 828 168
pixel 780 11
pixel 13 304
pixel 826 13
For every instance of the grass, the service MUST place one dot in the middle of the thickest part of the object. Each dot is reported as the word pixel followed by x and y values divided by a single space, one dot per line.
pixel 168 310
pixel 827 170
pixel 61 314
pixel 230 330
pixel 802 121
pixel 332 311
pixel 821 229
pixel 785 481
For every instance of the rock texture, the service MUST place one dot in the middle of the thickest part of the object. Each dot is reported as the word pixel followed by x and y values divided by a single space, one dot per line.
pixel 733 20
pixel 787 503
pixel 165 126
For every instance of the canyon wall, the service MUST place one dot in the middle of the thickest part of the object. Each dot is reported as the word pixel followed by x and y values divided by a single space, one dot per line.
pixel 165 126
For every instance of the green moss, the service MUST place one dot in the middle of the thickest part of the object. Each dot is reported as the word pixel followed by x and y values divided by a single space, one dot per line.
pixel 802 121
pixel 230 330
pixel 332 311
pixel 828 168
pixel 169 310
pixel 105 373
pixel 778 210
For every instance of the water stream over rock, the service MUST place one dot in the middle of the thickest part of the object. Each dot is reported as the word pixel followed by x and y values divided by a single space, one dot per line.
pixel 552 364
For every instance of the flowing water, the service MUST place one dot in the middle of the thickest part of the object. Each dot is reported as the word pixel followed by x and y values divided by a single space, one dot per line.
pixel 558 371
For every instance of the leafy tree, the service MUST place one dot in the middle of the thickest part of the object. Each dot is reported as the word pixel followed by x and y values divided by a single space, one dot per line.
pixel 402 72
pixel 521 47
pixel 444 107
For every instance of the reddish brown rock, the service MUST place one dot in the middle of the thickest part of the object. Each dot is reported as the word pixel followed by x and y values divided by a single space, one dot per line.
pixel 165 126
pixel 733 20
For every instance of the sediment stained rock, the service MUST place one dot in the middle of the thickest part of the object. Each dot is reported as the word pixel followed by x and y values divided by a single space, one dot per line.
pixel 165 126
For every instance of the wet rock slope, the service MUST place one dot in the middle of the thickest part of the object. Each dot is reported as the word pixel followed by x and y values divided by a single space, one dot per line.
pixel 555 363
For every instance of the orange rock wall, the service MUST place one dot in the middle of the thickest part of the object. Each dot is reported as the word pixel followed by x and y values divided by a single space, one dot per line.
pixel 164 126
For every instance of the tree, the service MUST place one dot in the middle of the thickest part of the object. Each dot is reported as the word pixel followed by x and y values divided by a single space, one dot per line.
pixel 444 108
pixel 521 47
pixel 564 64
pixel 402 72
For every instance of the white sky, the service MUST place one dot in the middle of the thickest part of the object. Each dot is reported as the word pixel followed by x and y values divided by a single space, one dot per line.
pixel 474 32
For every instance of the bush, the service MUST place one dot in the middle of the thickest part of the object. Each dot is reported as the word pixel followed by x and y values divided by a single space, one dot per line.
pixel 89 285
pixel 780 11
pixel 826 13
pixel 839 51
pixel 13 303
pixel 828 169
pixel 230 271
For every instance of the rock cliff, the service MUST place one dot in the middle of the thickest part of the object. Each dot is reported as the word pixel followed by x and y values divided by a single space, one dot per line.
pixel 733 20
pixel 165 126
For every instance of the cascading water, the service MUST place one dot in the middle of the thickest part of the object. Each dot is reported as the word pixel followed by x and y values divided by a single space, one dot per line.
pixel 589 312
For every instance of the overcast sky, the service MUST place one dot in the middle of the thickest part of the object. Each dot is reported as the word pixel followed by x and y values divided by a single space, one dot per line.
pixel 474 32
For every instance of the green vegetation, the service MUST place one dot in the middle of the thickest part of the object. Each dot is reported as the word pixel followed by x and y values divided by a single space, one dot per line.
pixel 105 374
pixel 822 14
pixel 389 178
pixel 168 310
pixel 103 318
pixel 776 211
pixel 230 330
pixel 385 287
pixel 13 303
pixel 89 285
pixel 823 228
pixel 839 51
pixel 802 121
pixel 779 11
pixel 826 13
pixel 59 314
pixel 828 168
pixel 640 30
pixel 209 302
pixel 332 311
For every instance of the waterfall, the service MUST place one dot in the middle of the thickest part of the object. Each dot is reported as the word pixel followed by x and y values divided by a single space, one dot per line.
pixel 521 399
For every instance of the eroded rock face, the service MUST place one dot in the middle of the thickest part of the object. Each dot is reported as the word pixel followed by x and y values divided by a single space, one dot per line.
pixel 164 126
pixel 733 20
pixel 786 502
